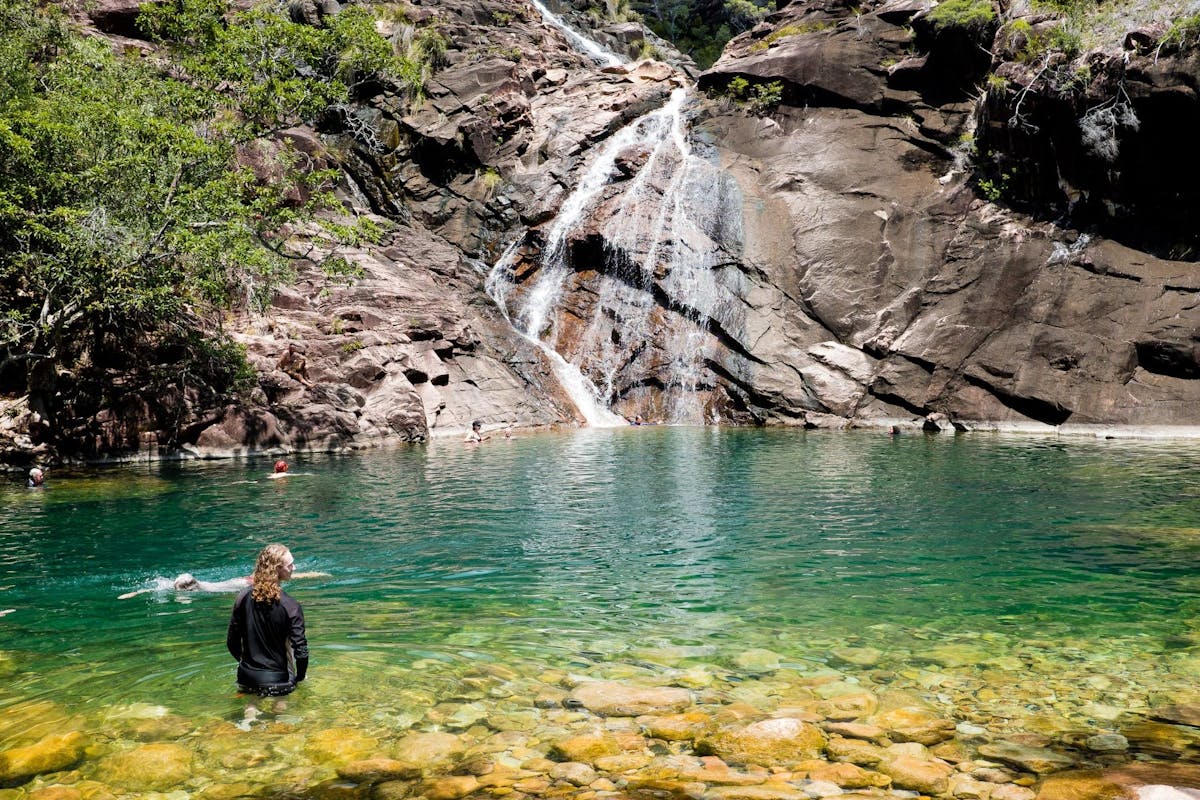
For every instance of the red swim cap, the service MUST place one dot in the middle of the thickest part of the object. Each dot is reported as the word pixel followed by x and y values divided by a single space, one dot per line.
pixel 281 466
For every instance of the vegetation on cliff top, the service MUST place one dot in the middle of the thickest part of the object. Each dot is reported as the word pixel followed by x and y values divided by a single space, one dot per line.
pixel 141 199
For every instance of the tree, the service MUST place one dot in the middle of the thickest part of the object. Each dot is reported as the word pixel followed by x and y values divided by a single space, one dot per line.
pixel 129 220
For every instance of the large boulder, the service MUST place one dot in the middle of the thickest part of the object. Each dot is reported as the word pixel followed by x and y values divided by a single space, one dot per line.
pixel 610 699
pixel 49 754
pixel 782 741
pixel 153 767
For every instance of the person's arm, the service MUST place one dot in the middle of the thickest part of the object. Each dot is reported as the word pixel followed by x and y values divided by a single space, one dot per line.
pixel 233 637
pixel 299 641
pixel 128 595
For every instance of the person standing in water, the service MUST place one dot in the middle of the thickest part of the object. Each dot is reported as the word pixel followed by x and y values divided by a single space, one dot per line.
pixel 266 629
pixel 476 435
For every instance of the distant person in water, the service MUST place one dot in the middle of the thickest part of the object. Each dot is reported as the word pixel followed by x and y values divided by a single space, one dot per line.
pixel 187 582
pixel 266 629
pixel 476 435
pixel 281 468
pixel 637 420
pixel 37 479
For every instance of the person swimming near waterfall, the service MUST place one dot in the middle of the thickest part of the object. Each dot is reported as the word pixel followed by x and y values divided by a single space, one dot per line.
pixel 187 582
pixel 266 629
pixel 476 436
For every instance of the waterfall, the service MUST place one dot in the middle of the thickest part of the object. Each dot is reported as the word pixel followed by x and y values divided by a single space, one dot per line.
pixel 670 225
pixel 582 392
pixel 585 44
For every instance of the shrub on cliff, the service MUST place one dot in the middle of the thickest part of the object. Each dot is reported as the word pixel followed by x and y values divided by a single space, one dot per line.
pixel 1182 35
pixel 129 221
pixel 970 14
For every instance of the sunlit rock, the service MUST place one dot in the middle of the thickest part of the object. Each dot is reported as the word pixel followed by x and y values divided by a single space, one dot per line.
pixel 535 785
pixel 574 773
pixel 1181 714
pixel 856 730
pixel 27 722
pixel 854 751
pixel 156 729
pixel 757 660
pixel 848 702
pixel 225 791
pixel 585 748
pixel 1040 760
pixel 1083 786
pixel 450 788
pixel 914 724
pixel 56 793
pixel 50 754
pixel 377 770
pixel 622 762
pixel 677 727
pixel 425 751
pixel 924 775
pixel 857 656
pixel 1011 791
pixel 844 775
pixel 782 741
pixel 968 788
pixel 957 654
pixel 340 745
pixel 1107 743
pixel 392 790
pixel 151 767
pixel 95 790
pixel 763 791
pixel 610 699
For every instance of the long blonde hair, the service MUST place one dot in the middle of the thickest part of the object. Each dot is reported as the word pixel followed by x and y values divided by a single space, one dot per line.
pixel 266 573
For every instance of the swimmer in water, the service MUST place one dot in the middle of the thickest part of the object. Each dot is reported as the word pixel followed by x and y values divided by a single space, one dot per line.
pixel 187 582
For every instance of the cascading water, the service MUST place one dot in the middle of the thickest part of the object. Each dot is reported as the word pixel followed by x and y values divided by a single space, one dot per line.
pixel 585 44
pixel 653 229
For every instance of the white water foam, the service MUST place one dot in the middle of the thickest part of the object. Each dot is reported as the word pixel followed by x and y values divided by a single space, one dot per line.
pixel 592 48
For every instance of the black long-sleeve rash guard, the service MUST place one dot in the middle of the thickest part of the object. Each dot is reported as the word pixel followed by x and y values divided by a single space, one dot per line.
pixel 259 635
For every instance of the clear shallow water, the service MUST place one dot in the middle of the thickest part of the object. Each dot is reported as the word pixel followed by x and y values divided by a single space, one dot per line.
pixel 1035 567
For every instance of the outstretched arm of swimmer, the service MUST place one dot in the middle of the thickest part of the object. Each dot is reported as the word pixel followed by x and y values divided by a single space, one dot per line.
pixel 128 595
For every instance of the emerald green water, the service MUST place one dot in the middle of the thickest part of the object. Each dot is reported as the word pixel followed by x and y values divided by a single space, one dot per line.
pixel 1059 574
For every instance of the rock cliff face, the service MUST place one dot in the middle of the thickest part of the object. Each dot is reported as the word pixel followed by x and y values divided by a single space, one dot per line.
pixel 896 287
pixel 817 255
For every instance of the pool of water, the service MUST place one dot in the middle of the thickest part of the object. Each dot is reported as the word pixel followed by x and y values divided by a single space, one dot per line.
pixel 1022 583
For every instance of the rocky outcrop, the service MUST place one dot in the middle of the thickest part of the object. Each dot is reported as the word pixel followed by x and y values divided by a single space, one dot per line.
pixel 878 252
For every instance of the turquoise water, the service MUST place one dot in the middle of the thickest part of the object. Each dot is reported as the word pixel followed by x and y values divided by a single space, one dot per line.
pixel 640 552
